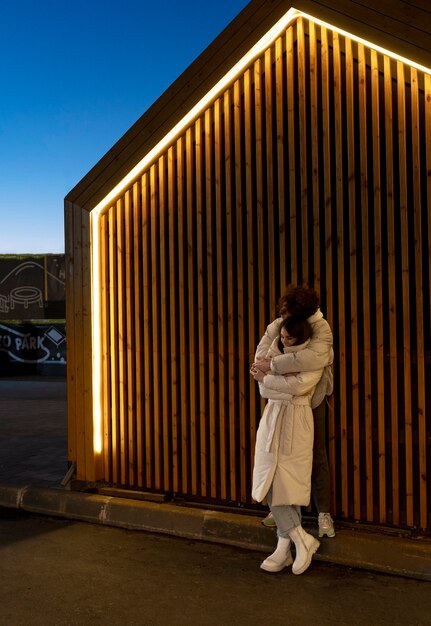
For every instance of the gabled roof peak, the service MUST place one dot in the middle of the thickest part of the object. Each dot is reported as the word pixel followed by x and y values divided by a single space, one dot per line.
pixel 401 26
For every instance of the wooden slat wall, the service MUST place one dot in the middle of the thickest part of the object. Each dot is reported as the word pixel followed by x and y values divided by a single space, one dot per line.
pixel 313 166
pixel 79 346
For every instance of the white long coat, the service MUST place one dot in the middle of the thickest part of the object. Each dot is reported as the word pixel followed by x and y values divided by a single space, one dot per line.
pixel 284 443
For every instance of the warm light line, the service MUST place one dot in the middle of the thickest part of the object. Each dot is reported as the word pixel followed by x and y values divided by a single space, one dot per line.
pixel 230 76
pixel 253 53
pixel 366 43
pixel 96 334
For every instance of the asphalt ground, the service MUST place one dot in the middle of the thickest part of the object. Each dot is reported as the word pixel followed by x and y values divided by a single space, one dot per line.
pixel 33 464
pixel 58 572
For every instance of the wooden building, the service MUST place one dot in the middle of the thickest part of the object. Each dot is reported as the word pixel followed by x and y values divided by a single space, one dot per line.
pixel 296 148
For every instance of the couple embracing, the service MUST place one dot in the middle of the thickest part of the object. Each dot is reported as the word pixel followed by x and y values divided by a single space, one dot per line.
pixel 293 366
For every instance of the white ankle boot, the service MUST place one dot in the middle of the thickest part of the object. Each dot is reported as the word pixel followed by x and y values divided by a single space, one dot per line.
pixel 305 545
pixel 279 559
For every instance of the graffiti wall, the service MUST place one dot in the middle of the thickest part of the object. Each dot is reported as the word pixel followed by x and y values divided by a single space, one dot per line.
pixel 32 315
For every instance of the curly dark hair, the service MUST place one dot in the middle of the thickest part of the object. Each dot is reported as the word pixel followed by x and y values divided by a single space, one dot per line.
pixel 298 301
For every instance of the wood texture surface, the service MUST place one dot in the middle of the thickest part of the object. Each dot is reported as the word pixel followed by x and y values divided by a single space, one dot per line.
pixel 312 166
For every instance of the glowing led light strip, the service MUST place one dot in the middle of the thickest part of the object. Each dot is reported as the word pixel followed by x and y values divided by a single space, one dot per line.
pixel 366 43
pixel 239 67
pixel 255 51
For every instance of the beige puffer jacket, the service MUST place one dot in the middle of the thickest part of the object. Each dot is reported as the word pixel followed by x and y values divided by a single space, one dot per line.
pixel 318 354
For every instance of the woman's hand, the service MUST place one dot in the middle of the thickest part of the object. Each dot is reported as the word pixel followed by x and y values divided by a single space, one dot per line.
pixel 257 374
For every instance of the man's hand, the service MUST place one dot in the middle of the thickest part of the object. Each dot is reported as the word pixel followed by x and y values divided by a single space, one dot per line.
pixel 263 366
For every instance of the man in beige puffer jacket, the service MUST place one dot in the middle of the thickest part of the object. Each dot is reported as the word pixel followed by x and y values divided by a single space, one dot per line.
pixel 303 302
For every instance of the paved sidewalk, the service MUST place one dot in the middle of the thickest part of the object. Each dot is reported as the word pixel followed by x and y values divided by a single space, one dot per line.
pixel 33 462
pixel 33 431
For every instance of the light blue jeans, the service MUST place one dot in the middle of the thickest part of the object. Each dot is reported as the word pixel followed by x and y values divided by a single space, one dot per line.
pixel 287 516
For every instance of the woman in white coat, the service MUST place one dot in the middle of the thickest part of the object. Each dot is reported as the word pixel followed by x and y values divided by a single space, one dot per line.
pixel 284 449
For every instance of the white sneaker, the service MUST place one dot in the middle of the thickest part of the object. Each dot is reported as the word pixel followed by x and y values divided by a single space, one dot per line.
pixel 269 521
pixel 326 525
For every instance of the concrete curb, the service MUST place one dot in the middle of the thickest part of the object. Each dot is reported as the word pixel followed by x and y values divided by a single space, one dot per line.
pixel 352 548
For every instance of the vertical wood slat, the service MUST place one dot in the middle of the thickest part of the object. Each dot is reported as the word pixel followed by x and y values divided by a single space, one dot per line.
pixel 280 89
pixel 138 315
pixel 130 342
pixel 172 327
pixel 268 204
pixel 378 270
pixel 405 269
pixel 303 154
pixel 427 263
pixel 220 295
pixel 259 240
pixel 119 284
pixel 191 317
pixel 105 366
pixel 366 314
pixel 165 343
pixel 147 329
pixel 113 346
pixel 315 232
pixel 93 460
pixel 204 458
pixel 392 293
pixel 208 427
pixel 351 177
pixel 341 324
pixel 155 312
pixel 329 239
pixel 427 124
pixel 251 254
pixel 260 168
pixel 72 343
pixel 419 291
pixel 231 310
pixel 182 313
pixel 291 243
pixel 241 289
pixel 212 338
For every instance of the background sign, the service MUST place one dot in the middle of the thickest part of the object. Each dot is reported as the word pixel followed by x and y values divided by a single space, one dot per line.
pixel 33 349
pixel 32 315
pixel 32 287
